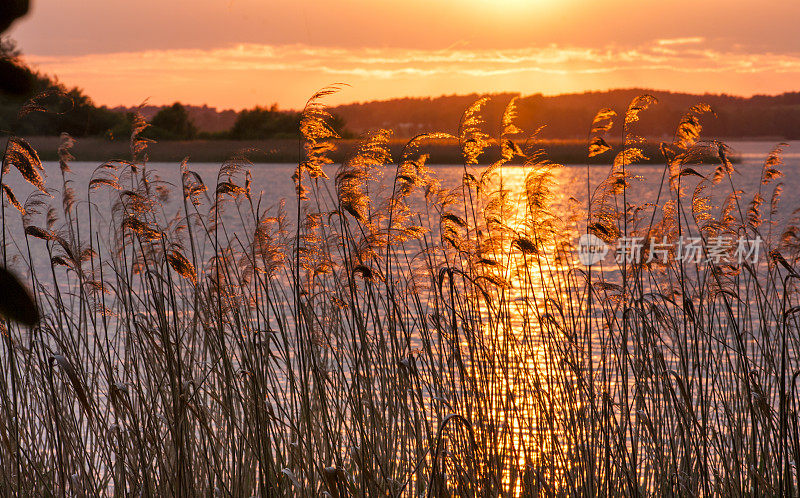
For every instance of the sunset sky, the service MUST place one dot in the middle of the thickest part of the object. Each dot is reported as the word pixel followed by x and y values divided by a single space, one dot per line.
pixel 242 53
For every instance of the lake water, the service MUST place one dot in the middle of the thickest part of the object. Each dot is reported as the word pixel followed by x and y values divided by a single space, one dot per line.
pixel 272 182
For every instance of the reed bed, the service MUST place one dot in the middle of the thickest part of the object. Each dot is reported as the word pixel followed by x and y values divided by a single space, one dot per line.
pixel 381 334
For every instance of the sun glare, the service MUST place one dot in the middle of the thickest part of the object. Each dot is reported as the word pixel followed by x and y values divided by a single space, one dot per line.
pixel 511 9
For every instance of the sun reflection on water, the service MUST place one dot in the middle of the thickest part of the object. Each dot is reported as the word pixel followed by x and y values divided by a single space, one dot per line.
pixel 531 384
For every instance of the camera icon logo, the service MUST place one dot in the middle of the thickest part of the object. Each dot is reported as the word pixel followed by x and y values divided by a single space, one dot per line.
pixel 591 249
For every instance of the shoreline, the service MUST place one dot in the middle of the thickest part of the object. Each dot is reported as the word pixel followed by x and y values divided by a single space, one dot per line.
pixel 571 152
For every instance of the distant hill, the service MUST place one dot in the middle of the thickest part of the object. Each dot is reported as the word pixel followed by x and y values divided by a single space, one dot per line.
pixel 205 118
pixel 569 116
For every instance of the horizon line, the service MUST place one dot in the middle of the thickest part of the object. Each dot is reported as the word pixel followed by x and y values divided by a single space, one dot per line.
pixel 145 103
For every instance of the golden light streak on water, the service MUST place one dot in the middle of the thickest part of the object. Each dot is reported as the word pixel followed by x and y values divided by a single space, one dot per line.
pixel 527 388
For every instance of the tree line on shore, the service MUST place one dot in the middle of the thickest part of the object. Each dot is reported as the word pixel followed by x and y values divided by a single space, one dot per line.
pixel 567 116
